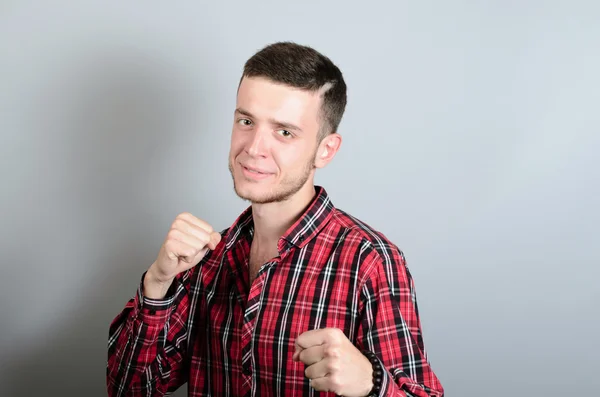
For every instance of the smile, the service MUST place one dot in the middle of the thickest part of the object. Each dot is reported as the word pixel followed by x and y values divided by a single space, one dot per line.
pixel 255 174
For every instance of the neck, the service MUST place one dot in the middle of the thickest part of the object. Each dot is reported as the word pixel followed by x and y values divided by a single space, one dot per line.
pixel 272 220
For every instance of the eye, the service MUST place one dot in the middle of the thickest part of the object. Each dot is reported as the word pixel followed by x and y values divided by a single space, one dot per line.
pixel 244 122
pixel 285 133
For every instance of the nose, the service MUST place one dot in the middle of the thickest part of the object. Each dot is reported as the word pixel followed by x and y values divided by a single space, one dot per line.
pixel 257 144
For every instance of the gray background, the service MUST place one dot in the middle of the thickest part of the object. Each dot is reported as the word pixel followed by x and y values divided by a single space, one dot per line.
pixel 470 139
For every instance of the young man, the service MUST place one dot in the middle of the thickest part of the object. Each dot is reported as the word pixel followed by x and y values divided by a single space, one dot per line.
pixel 294 298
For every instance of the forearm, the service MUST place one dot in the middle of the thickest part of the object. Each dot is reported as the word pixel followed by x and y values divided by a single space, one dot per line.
pixel 391 329
pixel 142 359
pixel 405 370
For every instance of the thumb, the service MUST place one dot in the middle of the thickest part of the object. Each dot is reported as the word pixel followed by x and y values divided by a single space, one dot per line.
pixel 215 238
pixel 296 355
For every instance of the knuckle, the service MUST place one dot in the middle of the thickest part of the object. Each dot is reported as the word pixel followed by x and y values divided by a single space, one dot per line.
pixel 189 252
pixel 330 335
pixel 173 234
pixel 332 366
pixel 184 215
pixel 337 335
pixel 332 351
pixel 335 367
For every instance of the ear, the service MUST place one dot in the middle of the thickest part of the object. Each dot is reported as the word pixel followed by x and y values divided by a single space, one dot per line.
pixel 328 147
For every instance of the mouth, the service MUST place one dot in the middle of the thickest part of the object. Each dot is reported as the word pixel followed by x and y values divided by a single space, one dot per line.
pixel 255 173
pixel 255 170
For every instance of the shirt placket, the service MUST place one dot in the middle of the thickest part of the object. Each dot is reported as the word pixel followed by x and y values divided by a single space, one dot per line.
pixel 250 319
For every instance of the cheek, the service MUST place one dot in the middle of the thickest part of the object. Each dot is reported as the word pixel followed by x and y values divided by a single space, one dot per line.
pixel 292 158
pixel 237 144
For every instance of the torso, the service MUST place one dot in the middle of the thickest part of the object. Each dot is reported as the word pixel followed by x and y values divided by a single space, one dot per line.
pixel 244 335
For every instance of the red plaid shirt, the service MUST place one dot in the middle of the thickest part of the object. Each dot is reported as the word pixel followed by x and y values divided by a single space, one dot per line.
pixel 225 337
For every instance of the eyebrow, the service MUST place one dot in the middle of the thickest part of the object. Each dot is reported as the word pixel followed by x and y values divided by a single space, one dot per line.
pixel 278 123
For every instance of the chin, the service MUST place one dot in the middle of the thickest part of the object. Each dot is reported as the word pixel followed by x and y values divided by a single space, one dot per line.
pixel 253 192
pixel 263 194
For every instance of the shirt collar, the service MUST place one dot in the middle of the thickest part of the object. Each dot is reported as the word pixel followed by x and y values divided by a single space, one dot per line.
pixel 310 223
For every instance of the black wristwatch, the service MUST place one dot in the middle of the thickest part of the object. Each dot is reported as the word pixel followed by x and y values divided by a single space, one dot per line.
pixel 377 373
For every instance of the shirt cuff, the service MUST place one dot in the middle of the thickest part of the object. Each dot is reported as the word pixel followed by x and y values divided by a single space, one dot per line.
pixel 388 386
pixel 156 310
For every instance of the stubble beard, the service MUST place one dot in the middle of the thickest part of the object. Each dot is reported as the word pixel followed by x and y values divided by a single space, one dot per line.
pixel 287 188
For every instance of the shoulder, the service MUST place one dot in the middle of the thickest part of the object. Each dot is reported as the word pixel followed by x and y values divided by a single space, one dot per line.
pixel 382 250
pixel 384 263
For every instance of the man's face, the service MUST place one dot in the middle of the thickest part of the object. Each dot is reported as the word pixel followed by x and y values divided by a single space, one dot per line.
pixel 274 140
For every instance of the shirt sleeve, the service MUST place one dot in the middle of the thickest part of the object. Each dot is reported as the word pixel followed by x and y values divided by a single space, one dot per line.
pixel 390 327
pixel 147 343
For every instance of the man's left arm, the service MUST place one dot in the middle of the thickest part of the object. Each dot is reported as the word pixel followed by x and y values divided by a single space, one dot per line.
pixel 391 329
pixel 388 357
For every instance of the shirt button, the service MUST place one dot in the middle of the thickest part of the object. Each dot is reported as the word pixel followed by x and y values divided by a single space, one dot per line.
pixel 246 370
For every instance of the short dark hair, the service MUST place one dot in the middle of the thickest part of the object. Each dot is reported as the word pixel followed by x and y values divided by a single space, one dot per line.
pixel 305 68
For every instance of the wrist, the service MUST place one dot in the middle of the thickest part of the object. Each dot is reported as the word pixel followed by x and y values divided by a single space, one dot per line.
pixel 155 288
pixel 377 374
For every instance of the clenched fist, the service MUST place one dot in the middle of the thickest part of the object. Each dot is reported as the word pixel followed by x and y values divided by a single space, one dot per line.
pixel 186 244
pixel 333 363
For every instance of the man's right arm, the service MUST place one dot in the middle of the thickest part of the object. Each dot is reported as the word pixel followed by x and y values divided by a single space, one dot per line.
pixel 148 340
pixel 147 343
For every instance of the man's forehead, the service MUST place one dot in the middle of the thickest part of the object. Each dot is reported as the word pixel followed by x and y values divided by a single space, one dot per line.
pixel 267 94
pixel 264 83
